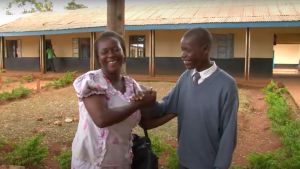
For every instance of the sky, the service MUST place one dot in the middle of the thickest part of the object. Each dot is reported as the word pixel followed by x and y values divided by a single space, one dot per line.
pixel 58 5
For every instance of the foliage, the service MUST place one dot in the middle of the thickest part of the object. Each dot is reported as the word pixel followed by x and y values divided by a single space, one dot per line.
pixel 8 80
pixel 15 93
pixel 27 78
pixel 286 126
pixel 30 6
pixel 2 142
pixel 172 159
pixel 61 82
pixel 28 153
pixel 73 6
pixel 158 146
pixel 64 159
pixel 263 161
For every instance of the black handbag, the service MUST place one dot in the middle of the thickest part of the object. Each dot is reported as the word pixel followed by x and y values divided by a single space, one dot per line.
pixel 143 156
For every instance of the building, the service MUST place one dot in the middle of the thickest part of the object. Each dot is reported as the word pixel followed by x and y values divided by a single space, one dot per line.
pixel 251 37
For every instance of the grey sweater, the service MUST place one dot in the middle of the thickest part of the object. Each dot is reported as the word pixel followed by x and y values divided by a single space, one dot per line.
pixel 207 119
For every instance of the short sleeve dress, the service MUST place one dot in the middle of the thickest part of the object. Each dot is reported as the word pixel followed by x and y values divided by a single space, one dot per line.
pixel 109 147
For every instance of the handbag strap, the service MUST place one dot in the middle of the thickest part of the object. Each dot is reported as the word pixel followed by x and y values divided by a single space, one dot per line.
pixel 146 133
pixel 138 86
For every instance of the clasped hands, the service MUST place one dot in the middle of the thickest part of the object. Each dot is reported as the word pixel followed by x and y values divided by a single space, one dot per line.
pixel 146 97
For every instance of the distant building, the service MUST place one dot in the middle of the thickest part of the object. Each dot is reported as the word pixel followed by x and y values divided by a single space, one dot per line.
pixel 153 31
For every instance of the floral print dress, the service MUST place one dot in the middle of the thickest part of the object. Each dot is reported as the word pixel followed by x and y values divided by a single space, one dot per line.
pixel 109 147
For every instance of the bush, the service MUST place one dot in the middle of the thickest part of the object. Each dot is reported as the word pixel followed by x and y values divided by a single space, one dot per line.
pixel 28 78
pixel 157 145
pixel 28 153
pixel 64 159
pixel 172 159
pixel 15 94
pixel 61 82
pixel 2 142
pixel 286 126
pixel 263 161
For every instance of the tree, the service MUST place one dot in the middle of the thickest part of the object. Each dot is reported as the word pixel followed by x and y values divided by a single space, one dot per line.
pixel 73 6
pixel 30 6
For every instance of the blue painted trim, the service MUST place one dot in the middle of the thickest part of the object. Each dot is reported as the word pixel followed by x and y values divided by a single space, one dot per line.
pixel 54 32
pixel 162 27
pixel 214 25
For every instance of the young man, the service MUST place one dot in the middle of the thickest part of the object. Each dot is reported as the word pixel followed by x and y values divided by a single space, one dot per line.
pixel 205 100
pixel 50 58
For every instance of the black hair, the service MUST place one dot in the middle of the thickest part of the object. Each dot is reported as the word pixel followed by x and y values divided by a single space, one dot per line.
pixel 201 35
pixel 109 34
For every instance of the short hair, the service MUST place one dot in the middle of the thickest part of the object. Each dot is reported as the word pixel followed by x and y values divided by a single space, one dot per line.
pixel 201 35
pixel 106 35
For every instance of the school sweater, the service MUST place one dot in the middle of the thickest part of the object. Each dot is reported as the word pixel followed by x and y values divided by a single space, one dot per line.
pixel 207 119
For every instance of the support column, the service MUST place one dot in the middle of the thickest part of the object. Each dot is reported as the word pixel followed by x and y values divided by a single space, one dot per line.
pixel 247 54
pixel 42 54
pixel 152 54
pixel 2 53
pixel 92 50
pixel 115 15
pixel 115 19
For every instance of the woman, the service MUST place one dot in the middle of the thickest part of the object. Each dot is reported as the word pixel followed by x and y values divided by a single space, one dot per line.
pixel 107 116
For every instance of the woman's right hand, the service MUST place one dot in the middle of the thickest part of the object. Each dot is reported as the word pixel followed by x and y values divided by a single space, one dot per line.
pixel 145 98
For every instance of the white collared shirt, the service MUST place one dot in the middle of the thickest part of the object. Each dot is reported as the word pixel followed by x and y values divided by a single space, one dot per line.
pixel 205 73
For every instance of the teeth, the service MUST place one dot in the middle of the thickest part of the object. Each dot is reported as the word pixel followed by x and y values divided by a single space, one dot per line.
pixel 112 62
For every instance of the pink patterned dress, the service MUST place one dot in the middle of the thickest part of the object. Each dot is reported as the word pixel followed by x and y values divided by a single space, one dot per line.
pixel 109 147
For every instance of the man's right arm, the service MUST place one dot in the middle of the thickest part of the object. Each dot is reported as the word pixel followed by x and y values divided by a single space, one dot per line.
pixel 168 103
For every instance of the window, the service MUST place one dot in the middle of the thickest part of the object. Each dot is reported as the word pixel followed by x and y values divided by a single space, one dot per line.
pixel 222 46
pixel 13 48
pixel 136 46
pixel 75 47
pixel 81 47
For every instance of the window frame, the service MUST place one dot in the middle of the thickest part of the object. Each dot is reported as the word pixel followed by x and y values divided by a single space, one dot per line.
pixel 133 40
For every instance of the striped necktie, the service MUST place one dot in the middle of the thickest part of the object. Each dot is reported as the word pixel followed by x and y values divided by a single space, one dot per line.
pixel 196 78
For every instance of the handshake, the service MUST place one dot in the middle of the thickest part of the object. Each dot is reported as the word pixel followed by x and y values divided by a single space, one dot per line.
pixel 145 98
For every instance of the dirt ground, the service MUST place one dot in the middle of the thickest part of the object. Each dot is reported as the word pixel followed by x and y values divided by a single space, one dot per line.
pixel 254 132
pixel 38 113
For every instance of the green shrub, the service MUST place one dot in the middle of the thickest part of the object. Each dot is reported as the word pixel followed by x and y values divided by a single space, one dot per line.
pixel 172 159
pixel 15 93
pixel 2 142
pixel 61 82
pixel 237 167
pixel 263 161
pixel 8 80
pixel 28 153
pixel 286 126
pixel 27 78
pixel 64 159
pixel 158 146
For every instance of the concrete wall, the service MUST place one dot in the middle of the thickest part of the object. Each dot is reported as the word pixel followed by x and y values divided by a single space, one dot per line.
pixel 286 53
pixel 62 44
pixel 167 43
pixel 29 45
pixel 287 49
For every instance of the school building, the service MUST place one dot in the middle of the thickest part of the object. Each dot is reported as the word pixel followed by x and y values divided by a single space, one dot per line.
pixel 251 37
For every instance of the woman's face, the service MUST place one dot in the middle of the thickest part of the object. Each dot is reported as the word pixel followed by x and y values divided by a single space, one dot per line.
pixel 110 55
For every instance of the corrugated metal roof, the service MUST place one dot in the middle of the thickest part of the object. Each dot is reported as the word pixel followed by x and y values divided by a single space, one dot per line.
pixel 164 12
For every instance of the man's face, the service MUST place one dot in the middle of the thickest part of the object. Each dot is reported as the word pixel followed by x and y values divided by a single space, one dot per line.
pixel 194 54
